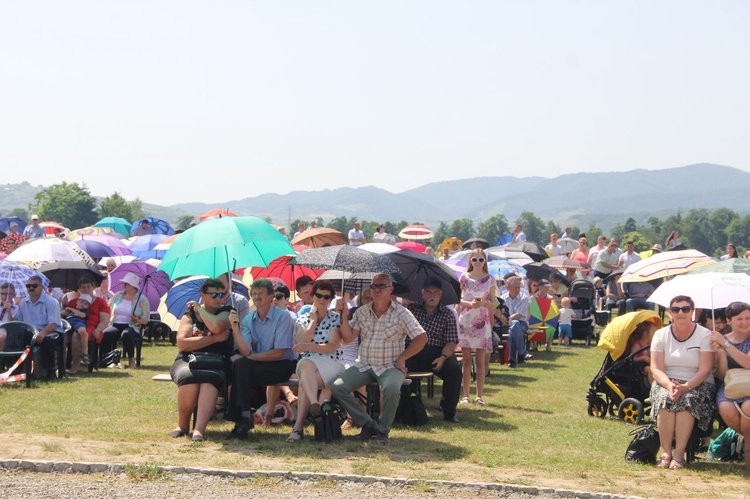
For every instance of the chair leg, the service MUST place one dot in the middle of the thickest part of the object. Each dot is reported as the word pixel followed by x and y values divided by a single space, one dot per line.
pixel 138 347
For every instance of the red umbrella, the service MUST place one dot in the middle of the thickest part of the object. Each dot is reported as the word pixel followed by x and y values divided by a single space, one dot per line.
pixel 287 272
pixel 217 213
pixel 410 245
pixel 49 227
pixel 415 231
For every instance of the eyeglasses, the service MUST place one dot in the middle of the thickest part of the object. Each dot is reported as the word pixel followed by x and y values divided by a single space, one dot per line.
pixel 279 296
pixel 322 296
pixel 380 286
pixel 480 260
pixel 685 310
pixel 32 286
pixel 216 294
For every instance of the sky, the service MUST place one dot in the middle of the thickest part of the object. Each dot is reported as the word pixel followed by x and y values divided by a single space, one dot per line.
pixel 182 101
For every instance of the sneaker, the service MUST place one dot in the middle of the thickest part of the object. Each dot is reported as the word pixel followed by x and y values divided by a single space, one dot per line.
pixel 464 400
pixel 528 356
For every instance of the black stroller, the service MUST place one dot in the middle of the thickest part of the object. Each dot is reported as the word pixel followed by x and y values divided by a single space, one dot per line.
pixel 584 306
pixel 620 387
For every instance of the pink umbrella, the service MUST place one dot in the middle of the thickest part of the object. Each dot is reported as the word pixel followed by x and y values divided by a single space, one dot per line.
pixel 410 245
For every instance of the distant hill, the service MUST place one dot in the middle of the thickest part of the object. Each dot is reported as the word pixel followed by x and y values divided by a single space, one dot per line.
pixel 577 198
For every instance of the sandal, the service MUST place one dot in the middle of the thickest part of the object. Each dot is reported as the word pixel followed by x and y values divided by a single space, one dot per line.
pixel 677 464
pixel 464 400
pixel 291 398
pixel 664 462
pixel 85 359
pixel 295 436
pixel 479 401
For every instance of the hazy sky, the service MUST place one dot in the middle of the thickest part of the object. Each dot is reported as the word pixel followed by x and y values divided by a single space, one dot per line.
pixel 176 101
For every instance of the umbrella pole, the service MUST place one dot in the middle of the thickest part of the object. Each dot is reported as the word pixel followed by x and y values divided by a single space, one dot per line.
pixel 140 293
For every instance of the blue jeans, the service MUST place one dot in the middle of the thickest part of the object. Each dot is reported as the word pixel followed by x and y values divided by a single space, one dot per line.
pixel 517 340
pixel 638 304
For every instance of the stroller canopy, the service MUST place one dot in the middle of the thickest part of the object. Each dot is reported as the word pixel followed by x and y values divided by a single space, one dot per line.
pixel 614 338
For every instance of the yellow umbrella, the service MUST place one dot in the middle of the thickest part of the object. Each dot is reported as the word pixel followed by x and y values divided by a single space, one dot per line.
pixel 452 243
pixel 614 338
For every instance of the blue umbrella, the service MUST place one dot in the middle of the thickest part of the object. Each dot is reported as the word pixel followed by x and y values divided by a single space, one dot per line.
pixel 189 290
pixel 505 239
pixel 5 224
pixel 158 225
pixel 143 246
pixel 499 268
pixel 18 274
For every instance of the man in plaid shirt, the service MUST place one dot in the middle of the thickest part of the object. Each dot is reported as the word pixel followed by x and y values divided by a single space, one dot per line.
pixel 442 337
pixel 383 327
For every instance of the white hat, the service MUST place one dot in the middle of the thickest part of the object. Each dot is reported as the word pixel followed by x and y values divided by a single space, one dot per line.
pixel 35 217
pixel 14 224
pixel 86 297
pixel 132 279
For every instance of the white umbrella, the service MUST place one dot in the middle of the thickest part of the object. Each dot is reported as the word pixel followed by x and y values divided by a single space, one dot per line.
pixel 667 264
pixel 51 249
pixel 709 290
pixel 379 248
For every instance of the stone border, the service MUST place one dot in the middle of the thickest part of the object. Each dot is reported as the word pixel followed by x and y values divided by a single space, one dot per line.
pixel 116 469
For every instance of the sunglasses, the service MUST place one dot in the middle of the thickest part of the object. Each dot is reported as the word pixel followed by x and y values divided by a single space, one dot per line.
pixel 32 286
pixel 322 296
pixel 738 306
pixel 480 260
pixel 279 296
pixel 217 295
pixel 380 286
pixel 685 310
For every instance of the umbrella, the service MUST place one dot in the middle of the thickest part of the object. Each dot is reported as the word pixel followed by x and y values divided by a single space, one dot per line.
pixel 223 245
pixel 415 232
pixel 563 262
pixel 614 338
pixel 504 239
pixel 727 266
pixel 51 249
pixel 415 268
pixel 708 290
pixel 379 248
pixel 320 237
pixel 410 245
pixel 532 250
pixel 567 244
pixel 119 225
pixel 217 213
pixel 102 246
pixel 93 231
pixel 158 225
pixel 285 269
pixel 66 274
pixel 5 224
pixel 499 268
pixel 154 283
pixel 167 243
pixel 189 289
pixel 18 274
pixel 665 264
pixel 544 314
pixel 508 254
pixel 612 275
pixel 349 258
pixel 538 270
pixel 12 240
pixel 144 247
pixel 354 283
pixel 475 242
pixel 452 243
pixel 50 227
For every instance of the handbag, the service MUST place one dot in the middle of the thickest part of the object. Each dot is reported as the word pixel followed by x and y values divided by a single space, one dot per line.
pixel 208 361
pixel 411 410
pixel 644 446
pixel 737 383
pixel 328 423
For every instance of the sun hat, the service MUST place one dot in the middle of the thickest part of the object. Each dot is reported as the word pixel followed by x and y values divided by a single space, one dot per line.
pixel 86 298
pixel 656 247
pixel 132 279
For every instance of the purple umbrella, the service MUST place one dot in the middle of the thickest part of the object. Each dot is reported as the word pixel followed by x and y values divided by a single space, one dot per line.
pixel 100 246
pixel 154 283
pixel 143 246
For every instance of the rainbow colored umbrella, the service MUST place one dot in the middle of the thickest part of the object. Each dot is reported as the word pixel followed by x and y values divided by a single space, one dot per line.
pixel 544 314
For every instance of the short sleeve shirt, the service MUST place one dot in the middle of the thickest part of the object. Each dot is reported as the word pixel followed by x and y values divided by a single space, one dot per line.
pixel 322 334
pixel 276 331
pixel 682 358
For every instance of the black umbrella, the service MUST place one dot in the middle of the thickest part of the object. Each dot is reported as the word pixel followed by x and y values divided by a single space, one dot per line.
pixel 611 276
pixel 65 275
pixel 538 270
pixel 475 242
pixel 415 268
pixel 532 250
pixel 354 283
pixel 348 258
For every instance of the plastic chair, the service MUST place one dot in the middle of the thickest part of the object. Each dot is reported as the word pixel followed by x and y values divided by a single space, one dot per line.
pixel 20 336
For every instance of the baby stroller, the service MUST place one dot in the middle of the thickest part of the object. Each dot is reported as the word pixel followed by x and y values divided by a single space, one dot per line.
pixel 584 306
pixel 620 387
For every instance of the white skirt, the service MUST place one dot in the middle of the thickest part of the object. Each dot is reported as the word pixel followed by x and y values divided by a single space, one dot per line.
pixel 328 368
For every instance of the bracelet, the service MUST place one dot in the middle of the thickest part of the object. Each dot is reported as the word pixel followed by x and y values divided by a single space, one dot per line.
pixel 688 386
pixel 443 355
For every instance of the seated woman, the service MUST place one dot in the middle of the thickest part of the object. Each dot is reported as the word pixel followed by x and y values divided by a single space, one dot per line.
pixel 206 329
pixel 641 338
pixel 318 339
pixel 683 390
pixel 732 352
pixel 127 318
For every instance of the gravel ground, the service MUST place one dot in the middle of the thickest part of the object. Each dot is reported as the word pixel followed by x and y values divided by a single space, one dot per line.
pixel 161 485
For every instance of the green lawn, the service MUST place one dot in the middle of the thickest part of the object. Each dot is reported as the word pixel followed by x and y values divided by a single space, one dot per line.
pixel 534 431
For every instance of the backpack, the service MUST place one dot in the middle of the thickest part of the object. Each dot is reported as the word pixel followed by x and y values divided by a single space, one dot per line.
pixel 644 446
pixel 411 411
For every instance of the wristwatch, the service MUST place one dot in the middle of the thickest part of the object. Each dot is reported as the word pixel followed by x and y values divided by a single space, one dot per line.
pixel 727 343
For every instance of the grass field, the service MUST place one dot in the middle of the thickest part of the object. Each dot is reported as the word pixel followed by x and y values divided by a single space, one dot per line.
pixel 534 431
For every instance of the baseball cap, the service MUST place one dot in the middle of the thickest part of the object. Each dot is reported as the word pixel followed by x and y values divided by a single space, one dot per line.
pixel 432 282
pixel 544 282
pixel 35 217
pixel 86 298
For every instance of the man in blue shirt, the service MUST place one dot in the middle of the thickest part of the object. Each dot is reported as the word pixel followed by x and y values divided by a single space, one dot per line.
pixel 43 312
pixel 34 230
pixel 264 342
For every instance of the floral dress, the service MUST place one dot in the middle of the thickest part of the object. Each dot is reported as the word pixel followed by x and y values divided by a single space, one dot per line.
pixel 474 325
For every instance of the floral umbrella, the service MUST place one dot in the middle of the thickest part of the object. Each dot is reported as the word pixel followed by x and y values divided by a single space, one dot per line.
pixel 544 314
pixel 11 242
pixel 500 268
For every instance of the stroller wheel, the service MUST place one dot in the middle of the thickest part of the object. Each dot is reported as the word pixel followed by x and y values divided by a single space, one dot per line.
pixel 630 411
pixel 598 408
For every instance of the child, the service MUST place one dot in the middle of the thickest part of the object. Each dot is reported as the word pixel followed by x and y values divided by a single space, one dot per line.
pixel 565 325
pixel 641 338
pixel 77 318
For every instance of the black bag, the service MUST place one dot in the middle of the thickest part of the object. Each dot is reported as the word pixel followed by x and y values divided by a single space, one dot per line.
pixel 411 411
pixel 112 357
pixel 644 446
pixel 328 423
pixel 208 361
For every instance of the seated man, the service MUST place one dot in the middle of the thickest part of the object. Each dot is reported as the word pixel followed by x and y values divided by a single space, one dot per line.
pixel 382 326
pixel 636 294
pixel 518 307
pixel 264 341
pixel 43 312
pixel 613 295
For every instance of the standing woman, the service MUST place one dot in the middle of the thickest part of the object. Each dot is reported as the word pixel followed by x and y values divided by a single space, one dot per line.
pixel 732 353
pixel 318 339
pixel 475 320
pixel 731 252
pixel 682 393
